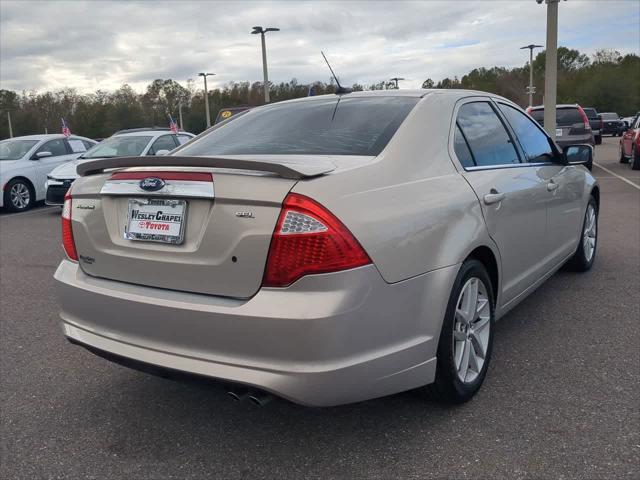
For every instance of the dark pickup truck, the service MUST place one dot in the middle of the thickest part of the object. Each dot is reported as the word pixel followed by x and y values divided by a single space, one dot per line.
pixel 612 125
pixel 596 123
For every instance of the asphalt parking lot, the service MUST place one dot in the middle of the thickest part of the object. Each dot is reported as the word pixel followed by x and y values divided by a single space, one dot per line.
pixel 561 401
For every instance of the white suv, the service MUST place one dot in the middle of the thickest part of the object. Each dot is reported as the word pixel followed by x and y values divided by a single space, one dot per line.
pixel 26 161
pixel 125 143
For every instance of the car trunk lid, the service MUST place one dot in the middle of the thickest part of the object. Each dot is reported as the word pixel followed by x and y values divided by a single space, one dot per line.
pixel 206 229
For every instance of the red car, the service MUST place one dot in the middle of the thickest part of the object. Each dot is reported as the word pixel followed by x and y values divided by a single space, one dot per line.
pixel 630 145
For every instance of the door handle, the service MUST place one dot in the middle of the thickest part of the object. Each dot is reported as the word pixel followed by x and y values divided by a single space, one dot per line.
pixel 494 197
pixel 551 186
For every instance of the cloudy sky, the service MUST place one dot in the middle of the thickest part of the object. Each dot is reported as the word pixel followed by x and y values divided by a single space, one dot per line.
pixel 99 44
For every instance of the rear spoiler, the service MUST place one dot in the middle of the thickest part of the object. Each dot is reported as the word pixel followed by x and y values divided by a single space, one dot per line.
pixel 285 169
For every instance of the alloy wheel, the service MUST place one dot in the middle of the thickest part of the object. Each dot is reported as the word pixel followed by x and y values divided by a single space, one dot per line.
pixel 589 233
pixel 20 196
pixel 471 330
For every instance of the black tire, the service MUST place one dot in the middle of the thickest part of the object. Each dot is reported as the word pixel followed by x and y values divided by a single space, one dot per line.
pixel 581 262
pixel 598 140
pixel 635 158
pixel 448 387
pixel 23 186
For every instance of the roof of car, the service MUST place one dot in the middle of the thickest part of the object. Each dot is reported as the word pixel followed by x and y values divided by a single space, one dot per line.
pixel 46 136
pixel 142 132
pixel 417 93
pixel 562 105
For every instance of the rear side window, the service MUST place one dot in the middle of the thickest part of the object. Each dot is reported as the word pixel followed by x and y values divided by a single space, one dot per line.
pixel 76 145
pixel 183 139
pixel 535 144
pixel 328 126
pixel 487 137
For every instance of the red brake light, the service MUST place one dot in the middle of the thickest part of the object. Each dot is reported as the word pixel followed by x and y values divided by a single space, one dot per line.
pixel 309 239
pixel 67 232
pixel 585 119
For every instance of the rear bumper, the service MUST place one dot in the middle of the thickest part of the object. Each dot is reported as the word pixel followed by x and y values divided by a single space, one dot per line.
pixel 326 340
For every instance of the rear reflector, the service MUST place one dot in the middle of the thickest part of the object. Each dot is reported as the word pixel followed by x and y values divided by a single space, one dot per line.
pixel 67 232
pixel 309 239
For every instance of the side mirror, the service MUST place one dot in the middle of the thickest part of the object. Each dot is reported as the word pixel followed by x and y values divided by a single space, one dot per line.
pixel 162 152
pixel 40 155
pixel 579 155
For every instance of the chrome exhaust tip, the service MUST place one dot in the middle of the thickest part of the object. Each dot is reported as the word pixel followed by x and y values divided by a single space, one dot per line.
pixel 238 395
pixel 260 398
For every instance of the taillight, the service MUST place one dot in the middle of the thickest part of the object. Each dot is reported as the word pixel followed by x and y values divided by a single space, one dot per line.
pixel 585 119
pixel 67 232
pixel 309 239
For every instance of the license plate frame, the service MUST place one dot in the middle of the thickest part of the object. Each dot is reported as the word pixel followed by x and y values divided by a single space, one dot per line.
pixel 139 234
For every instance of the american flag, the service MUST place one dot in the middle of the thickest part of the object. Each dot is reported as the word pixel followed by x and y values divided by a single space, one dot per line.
pixel 66 131
pixel 173 126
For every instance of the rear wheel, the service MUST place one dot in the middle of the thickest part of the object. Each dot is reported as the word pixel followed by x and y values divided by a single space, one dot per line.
pixel 585 255
pixel 466 338
pixel 635 158
pixel 18 196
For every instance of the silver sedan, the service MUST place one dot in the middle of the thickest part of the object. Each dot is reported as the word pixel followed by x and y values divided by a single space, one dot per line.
pixel 327 250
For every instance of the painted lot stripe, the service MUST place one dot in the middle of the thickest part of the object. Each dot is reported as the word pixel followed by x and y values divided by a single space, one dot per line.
pixel 626 180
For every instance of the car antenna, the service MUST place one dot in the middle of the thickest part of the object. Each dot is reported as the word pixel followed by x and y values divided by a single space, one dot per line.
pixel 340 88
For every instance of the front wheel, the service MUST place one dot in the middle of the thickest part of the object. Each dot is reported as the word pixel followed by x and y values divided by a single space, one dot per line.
pixel 466 338
pixel 18 196
pixel 585 255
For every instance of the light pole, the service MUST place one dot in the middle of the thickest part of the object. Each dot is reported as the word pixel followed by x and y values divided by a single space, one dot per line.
pixel 206 97
pixel 395 80
pixel 531 89
pixel 262 31
pixel 551 68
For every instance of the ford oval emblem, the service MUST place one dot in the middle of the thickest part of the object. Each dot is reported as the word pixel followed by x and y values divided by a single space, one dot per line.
pixel 151 184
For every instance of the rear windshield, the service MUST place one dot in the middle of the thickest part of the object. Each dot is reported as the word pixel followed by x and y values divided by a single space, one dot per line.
pixel 117 146
pixel 564 116
pixel 610 116
pixel 328 126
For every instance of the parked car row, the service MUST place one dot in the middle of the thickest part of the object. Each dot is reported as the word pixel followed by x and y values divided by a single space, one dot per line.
pixel 42 167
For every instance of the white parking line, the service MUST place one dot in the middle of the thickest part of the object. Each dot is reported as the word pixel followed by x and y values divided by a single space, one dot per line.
pixel 24 214
pixel 635 185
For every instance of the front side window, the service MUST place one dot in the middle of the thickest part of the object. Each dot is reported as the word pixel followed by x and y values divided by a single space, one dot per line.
pixel 15 149
pixel 487 137
pixel 56 147
pixel 166 142
pixel 534 142
pixel 332 125
pixel 129 146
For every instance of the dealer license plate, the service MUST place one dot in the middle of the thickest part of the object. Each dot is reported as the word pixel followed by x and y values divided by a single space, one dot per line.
pixel 558 132
pixel 156 220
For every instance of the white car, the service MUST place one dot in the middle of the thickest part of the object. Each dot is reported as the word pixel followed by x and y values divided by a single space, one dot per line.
pixel 125 143
pixel 26 161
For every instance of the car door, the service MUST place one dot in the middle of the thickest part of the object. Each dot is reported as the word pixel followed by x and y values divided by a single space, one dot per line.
pixel 164 142
pixel 512 193
pixel 629 135
pixel 564 185
pixel 43 165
